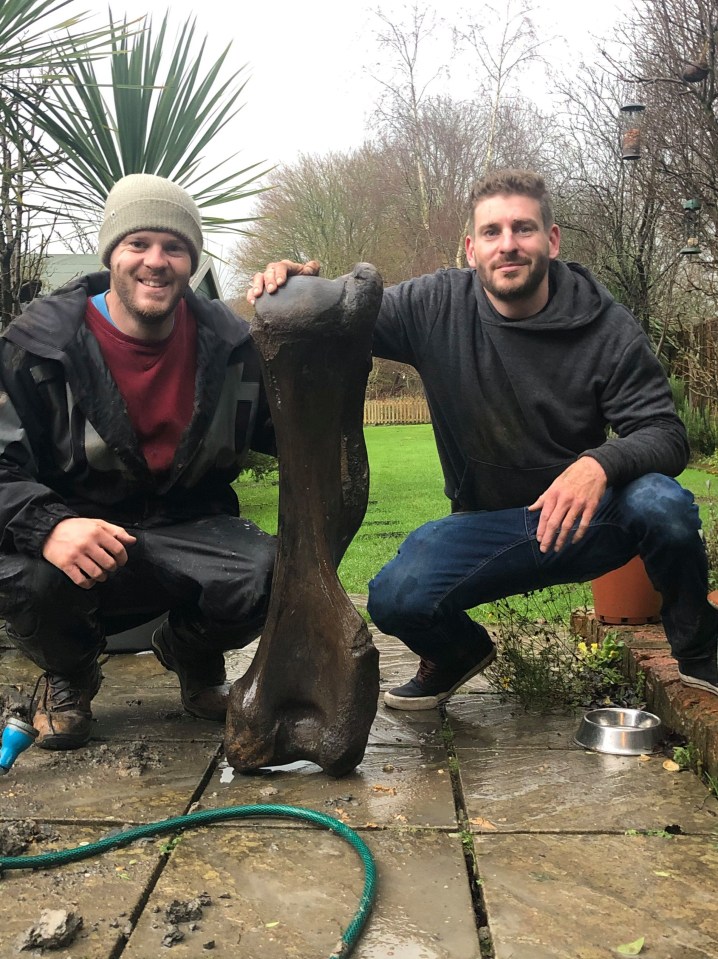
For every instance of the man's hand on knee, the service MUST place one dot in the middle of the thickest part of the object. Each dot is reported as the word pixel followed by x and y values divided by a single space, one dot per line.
pixel 87 550
pixel 573 496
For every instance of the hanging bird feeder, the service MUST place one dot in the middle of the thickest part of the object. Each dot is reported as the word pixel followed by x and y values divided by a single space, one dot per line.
pixel 691 223
pixel 631 125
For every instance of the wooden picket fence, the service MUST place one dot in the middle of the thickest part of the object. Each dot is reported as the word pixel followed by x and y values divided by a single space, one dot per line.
pixel 400 410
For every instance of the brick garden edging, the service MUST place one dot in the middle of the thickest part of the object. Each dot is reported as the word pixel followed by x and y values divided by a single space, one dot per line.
pixel 688 712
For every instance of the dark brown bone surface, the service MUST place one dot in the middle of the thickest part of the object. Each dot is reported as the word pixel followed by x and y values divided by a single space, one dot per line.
pixel 312 689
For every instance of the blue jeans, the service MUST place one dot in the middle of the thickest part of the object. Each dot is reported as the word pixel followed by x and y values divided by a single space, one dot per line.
pixel 465 559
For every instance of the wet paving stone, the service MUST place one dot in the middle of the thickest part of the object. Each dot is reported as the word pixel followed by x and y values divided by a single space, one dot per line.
pixel 106 891
pixel 579 897
pixel 573 790
pixel 394 728
pixel 561 876
pixel 390 788
pixel 133 782
pixel 16 669
pixel 487 721
pixel 277 893
pixel 148 714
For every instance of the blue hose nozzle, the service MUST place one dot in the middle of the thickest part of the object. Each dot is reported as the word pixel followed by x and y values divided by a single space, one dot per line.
pixel 16 738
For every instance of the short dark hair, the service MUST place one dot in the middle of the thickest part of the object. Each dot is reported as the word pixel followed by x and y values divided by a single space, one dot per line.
pixel 509 182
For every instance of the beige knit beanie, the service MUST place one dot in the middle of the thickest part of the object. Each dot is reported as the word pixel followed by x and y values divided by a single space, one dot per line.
pixel 142 201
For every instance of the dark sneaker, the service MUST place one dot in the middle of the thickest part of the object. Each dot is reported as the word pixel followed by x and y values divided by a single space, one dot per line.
pixel 434 682
pixel 701 675
pixel 63 718
pixel 203 681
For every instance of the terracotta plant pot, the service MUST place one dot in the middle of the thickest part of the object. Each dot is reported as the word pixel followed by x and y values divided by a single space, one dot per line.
pixel 626 597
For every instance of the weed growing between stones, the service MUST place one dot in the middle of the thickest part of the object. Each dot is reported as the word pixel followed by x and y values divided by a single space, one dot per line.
pixel 544 664
pixel 688 756
pixel 467 842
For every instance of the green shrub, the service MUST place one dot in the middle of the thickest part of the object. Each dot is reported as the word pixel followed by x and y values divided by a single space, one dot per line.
pixel 544 663
pixel 701 424
pixel 260 466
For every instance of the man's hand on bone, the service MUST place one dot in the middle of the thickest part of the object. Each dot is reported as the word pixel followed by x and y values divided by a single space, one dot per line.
pixel 275 275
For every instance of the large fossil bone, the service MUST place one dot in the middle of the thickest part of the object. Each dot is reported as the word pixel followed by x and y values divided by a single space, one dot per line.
pixel 311 691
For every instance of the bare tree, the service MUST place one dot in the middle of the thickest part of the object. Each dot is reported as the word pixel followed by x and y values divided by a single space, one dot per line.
pixel 397 114
pixel 669 61
pixel 504 42
pixel 331 208
pixel 612 211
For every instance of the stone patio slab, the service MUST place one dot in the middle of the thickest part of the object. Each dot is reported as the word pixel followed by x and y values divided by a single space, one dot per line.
pixel 572 790
pixel 107 891
pixel 292 892
pixel 129 782
pixel 391 787
pixel 579 897
pixel 394 728
pixel 124 711
pixel 148 714
pixel 488 721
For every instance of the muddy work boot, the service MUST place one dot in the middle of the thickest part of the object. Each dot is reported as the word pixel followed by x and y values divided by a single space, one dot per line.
pixel 63 718
pixel 202 677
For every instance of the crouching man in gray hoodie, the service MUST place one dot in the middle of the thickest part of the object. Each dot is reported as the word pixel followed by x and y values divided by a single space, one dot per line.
pixel 526 361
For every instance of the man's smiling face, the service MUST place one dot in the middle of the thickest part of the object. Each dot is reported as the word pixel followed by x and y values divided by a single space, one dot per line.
pixel 511 249
pixel 149 275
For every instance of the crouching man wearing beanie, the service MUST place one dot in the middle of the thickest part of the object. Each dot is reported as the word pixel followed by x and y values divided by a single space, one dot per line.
pixel 128 404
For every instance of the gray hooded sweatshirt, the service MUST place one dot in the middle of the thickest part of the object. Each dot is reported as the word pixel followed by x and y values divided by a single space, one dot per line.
pixel 514 402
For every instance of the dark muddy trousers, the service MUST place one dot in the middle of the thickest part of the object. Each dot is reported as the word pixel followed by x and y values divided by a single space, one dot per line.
pixel 213 575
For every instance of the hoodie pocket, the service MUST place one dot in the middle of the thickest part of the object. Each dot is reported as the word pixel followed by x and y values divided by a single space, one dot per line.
pixel 487 486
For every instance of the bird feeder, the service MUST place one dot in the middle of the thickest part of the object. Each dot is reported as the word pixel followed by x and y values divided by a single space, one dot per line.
pixel 691 222
pixel 631 125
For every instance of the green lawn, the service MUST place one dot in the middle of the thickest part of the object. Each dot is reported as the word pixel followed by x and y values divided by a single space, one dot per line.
pixel 406 490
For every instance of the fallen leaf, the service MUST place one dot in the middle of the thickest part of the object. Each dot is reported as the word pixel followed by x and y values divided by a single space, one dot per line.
pixel 371 825
pixel 644 759
pixel 400 818
pixel 482 823
pixel 665 875
pixel 378 788
pixel 671 766
pixel 631 948
pixel 270 925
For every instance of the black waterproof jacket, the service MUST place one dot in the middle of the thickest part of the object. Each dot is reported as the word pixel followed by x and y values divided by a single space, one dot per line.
pixel 514 402
pixel 67 447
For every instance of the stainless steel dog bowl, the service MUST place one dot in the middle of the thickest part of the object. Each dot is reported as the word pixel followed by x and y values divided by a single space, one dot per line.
pixel 621 732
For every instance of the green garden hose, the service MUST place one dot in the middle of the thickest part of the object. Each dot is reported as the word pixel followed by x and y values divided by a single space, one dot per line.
pixel 354 929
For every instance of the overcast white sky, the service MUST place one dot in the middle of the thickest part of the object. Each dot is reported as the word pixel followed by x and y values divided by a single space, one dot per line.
pixel 309 65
